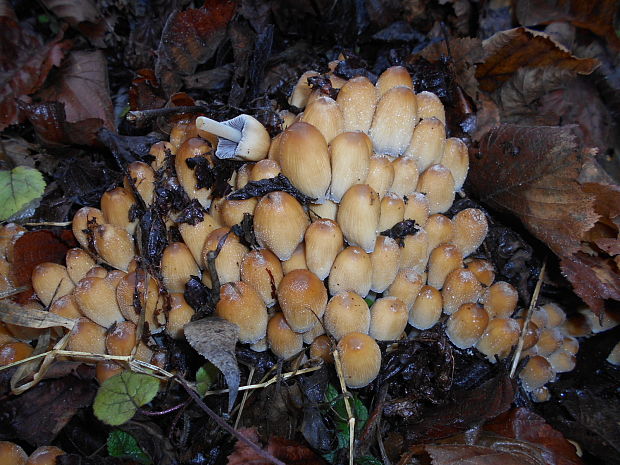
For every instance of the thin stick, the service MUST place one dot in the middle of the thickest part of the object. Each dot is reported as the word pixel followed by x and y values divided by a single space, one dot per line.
pixel 49 223
pixel 347 405
pixel 245 398
pixel 145 115
pixel 528 317
pixel 225 426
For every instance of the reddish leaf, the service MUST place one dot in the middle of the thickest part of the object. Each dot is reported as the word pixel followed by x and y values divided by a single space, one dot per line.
pixel 82 15
pixel 462 454
pixel 596 16
pixel 82 86
pixel 290 452
pixel 190 38
pixel 509 51
pixel 52 128
pixel 145 93
pixel 25 62
pixel 37 247
pixel 594 278
pixel 524 425
pixel 532 172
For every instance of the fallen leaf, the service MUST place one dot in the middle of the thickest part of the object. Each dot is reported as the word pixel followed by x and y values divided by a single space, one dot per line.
pixel 120 396
pixel 524 425
pixel 464 53
pixel 145 93
pixel 36 247
pixel 190 38
pixel 37 415
pixel 25 62
pixel 290 452
pixel 84 16
pixel 508 51
pixel 532 172
pixel 597 17
pixel 19 187
pixel 215 339
pixel 82 86
pixel 594 279
pixel 462 454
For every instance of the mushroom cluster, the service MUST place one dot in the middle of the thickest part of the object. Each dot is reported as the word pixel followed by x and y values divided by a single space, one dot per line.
pixel 13 454
pixel 369 256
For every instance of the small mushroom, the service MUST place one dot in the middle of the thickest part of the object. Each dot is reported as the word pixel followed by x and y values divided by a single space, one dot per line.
pixel 241 138
pixel 361 359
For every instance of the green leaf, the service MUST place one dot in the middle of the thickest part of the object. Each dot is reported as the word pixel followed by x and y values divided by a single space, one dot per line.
pixel 19 187
pixel 124 445
pixel 205 377
pixel 368 460
pixel 119 397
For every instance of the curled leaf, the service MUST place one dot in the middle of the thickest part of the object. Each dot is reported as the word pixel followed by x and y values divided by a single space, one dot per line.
pixel 215 339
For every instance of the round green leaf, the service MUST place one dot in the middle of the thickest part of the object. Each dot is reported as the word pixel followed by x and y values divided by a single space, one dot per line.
pixel 19 187
pixel 119 397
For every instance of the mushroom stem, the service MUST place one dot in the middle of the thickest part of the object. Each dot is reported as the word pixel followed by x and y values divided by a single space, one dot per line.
pixel 219 129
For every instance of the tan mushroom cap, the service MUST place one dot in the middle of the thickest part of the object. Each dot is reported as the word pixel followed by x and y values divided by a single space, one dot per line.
pixel 302 297
pixel 240 304
pixel 346 312
pixel 361 359
pixel 536 373
pixel 388 318
pixel 44 455
pixel 466 325
pixel 283 341
pixel 12 454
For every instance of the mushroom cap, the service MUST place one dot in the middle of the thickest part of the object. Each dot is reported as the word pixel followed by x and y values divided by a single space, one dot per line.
pixel 361 359
pixel 254 143
pixel 283 341
pixel 12 454
pixel 240 304
pixel 536 373
pixel 303 298
pixel 346 312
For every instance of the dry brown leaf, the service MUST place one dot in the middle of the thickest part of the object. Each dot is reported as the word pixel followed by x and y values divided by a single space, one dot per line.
pixel 15 314
pixel 25 62
pixel 82 86
pixel 508 51
pixel 190 38
pixel 596 16
pixel 464 52
pixel 532 172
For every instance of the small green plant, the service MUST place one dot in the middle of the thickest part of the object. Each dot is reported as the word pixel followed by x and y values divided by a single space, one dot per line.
pixel 341 423
pixel 123 445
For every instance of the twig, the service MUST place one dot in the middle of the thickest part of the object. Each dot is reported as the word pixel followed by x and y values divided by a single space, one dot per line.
pixel 528 317
pixel 225 426
pixel 50 223
pixel 145 115
pixel 245 398
pixel 347 405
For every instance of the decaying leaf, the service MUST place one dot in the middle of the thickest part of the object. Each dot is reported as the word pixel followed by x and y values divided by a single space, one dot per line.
pixel 19 187
pixel 120 396
pixel 478 455
pixel 532 172
pixel 25 62
pixel 190 38
pixel 524 425
pixel 15 314
pixel 290 452
pixel 82 86
pixel 215 339
pixel 597 17
pixel 508 51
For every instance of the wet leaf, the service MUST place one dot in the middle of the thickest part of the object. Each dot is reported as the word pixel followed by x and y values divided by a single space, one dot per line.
pixel 120 396
pixel 524 425
pixel 39 414
pixel 265 186
pixel 82 86
pixel 124 445
pixel 508 51
pixel 476 455
pixel 290 452
pixel 25 62
pixel 532 172
pixel 19 187
pixel 400 230
pixel 190 38
pixel 597 17
pixel 215 339
pixel 594 278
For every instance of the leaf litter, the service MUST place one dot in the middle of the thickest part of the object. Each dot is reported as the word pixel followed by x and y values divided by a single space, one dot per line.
pixel 507 95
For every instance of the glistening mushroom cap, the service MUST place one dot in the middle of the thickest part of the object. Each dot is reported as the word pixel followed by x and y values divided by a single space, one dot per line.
pixel 303 298
pixel 241 138
pixel 240 304
pixel 361 359
pixel 346 312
